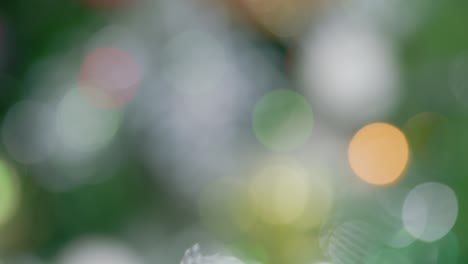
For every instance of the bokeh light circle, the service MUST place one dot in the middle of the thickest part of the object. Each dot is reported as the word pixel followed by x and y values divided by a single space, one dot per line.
pixel 379 153
pixel 283 192
pixel 26 132
pixel 430 211
pixel 349 71
pixel 9 192
pixel 82 127
pixel 280 192
pixel 97 250
pixel 109 77
pixel 282 120
pixel 196 61
pixel 351 242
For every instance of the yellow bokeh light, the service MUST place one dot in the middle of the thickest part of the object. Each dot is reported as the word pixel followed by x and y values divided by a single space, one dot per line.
pixel 283 192
pixel 280 192
pixel 379 153
pixel 9 193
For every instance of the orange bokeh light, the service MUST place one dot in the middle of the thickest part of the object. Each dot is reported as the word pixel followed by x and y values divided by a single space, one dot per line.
pixel 379 153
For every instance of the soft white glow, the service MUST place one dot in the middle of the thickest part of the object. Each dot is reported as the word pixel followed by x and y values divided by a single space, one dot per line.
pixel 195 61
pixel 97 251
pixel 83 127
pixel 282 120
pixel 349 72
pixel 430 211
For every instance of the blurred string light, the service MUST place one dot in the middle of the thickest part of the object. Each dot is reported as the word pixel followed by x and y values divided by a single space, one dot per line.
pixel 283 192
pixel 25 132
pixel 10 192
pixel 97 250
pixel 82 127
pixel 110 77
pixel 282 120
pixel 349 71
pixel 379 153
pixel 430 211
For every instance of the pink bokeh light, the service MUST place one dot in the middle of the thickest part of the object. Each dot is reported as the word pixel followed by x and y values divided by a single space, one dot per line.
pixel 109 77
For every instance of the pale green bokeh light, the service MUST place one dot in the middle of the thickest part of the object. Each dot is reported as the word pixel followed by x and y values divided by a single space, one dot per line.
pixel 282 120
pixel 83 127
pixel 9 193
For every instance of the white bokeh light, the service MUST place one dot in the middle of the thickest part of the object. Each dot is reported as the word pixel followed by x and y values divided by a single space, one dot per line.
pixel 82 127
pixel 430 211
pixel 195 61
pixel 349 71
pixel 97 250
